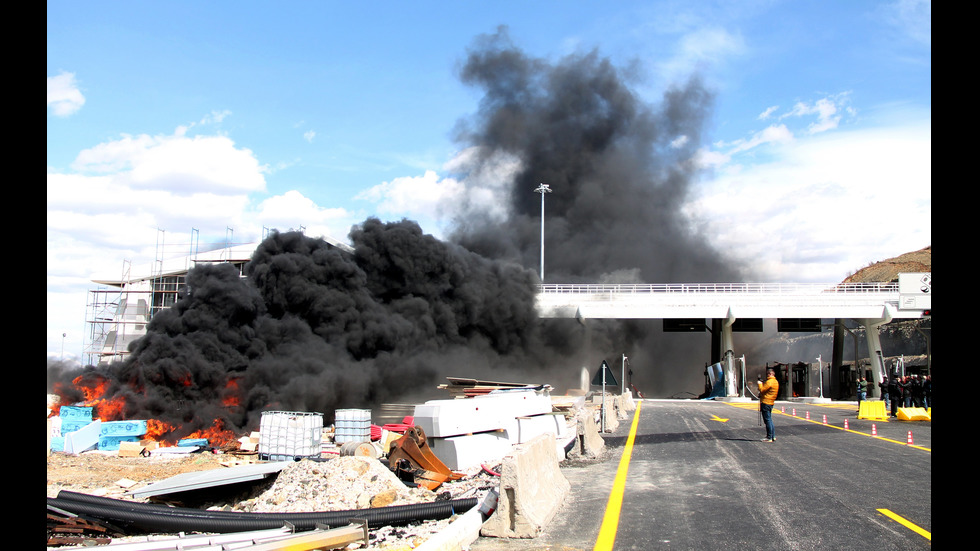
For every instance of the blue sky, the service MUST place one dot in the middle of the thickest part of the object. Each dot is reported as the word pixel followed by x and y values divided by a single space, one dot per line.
pixel 234 117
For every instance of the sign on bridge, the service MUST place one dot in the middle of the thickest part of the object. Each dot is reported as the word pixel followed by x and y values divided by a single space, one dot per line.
pixel 915 291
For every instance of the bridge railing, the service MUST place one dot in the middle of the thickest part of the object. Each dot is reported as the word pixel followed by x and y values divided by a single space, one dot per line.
pixel 747 288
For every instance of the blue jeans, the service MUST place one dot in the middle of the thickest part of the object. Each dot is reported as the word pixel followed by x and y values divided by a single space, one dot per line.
pixel 766 410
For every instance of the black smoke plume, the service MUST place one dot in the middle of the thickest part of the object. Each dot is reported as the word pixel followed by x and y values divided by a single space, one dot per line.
pixel 315 328
pixel 620 169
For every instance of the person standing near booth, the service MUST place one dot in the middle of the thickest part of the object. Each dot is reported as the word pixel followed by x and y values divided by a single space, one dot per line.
pixel 767 398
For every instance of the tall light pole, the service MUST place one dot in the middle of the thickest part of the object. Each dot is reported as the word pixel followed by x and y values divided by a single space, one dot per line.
pixel 542 189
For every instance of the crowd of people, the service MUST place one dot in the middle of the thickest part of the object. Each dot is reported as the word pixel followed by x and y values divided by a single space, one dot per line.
pixel 906 391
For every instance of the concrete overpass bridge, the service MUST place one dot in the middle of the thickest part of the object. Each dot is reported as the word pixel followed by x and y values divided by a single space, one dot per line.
pixel 742 307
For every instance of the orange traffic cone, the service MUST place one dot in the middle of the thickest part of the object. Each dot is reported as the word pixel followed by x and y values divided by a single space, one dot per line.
pixel 910 438
pixel 808 416
pixel 845 423
pixel 794 412
pixel 874 430
pixel 825 418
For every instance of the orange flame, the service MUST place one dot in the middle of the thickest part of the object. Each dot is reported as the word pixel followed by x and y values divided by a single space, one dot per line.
pixel 94 386
pixel 231 398
pixel 216 435
pixel 157 430
pixel 94 389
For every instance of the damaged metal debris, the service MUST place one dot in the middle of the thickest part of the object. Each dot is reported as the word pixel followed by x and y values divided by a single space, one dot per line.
pixel 444 444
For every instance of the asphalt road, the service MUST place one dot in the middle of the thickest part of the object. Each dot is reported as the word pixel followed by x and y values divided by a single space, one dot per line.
pixel 696 475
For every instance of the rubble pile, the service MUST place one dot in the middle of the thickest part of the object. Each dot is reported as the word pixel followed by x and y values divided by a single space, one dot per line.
pixel 400 467
pixel 340 484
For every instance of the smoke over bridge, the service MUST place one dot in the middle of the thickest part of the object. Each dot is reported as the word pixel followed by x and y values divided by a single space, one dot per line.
pixel 314 328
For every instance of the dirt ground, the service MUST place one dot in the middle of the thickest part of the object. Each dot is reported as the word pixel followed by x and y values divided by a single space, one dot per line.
pixel 108 474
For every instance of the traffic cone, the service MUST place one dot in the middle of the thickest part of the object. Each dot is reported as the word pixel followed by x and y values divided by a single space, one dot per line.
pixel 825 418
pixel 808 416
pixel 910 438
pixel 845 423
pixel 874 430
pixel 784 409
pixel 794 412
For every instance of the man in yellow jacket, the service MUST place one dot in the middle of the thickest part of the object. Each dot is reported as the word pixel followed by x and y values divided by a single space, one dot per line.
pixel 767 397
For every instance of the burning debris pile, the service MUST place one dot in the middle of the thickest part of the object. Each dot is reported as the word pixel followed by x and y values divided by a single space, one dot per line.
pixel 314 328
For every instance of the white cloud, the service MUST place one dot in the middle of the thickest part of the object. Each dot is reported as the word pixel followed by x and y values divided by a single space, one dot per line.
pixel 705 47
pixel 710 44
pixel 823 206
pixel 123 192
pixel 64 97
pixel 137 198
pixel 177 164
pixel 828 112
pixel 911 17
pixel 768 112
pixel 309 135
pixel 293 211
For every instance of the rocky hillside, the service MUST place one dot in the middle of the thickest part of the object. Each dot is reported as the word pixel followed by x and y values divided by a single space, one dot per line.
pixel 888 270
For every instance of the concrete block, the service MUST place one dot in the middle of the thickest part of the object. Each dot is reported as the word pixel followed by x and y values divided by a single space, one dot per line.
pixel 627 403
pixel 532 489
pixel 608 411
pixel 590 443
pixel 443 418
pixel 470 450
pixel 524 429
pixel 459 535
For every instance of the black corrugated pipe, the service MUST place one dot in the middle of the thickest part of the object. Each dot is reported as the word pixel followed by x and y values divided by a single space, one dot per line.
pixel 144 517
pixel 459 505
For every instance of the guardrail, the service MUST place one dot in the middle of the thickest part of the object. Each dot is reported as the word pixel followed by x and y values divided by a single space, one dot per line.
pixel 747 288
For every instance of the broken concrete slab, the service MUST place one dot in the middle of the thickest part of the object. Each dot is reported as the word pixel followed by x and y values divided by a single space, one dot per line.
pixel 209 478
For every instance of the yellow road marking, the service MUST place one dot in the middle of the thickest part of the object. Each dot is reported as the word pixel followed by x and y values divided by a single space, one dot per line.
pixel 820 422
pixel 610 522
pixel 901 520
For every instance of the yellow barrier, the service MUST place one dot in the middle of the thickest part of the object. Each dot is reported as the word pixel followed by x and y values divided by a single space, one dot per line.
pixel 873 409
pixel 914 414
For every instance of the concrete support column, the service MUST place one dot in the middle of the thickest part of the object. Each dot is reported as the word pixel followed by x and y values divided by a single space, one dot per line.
pixel 728 348
pixel 874 344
